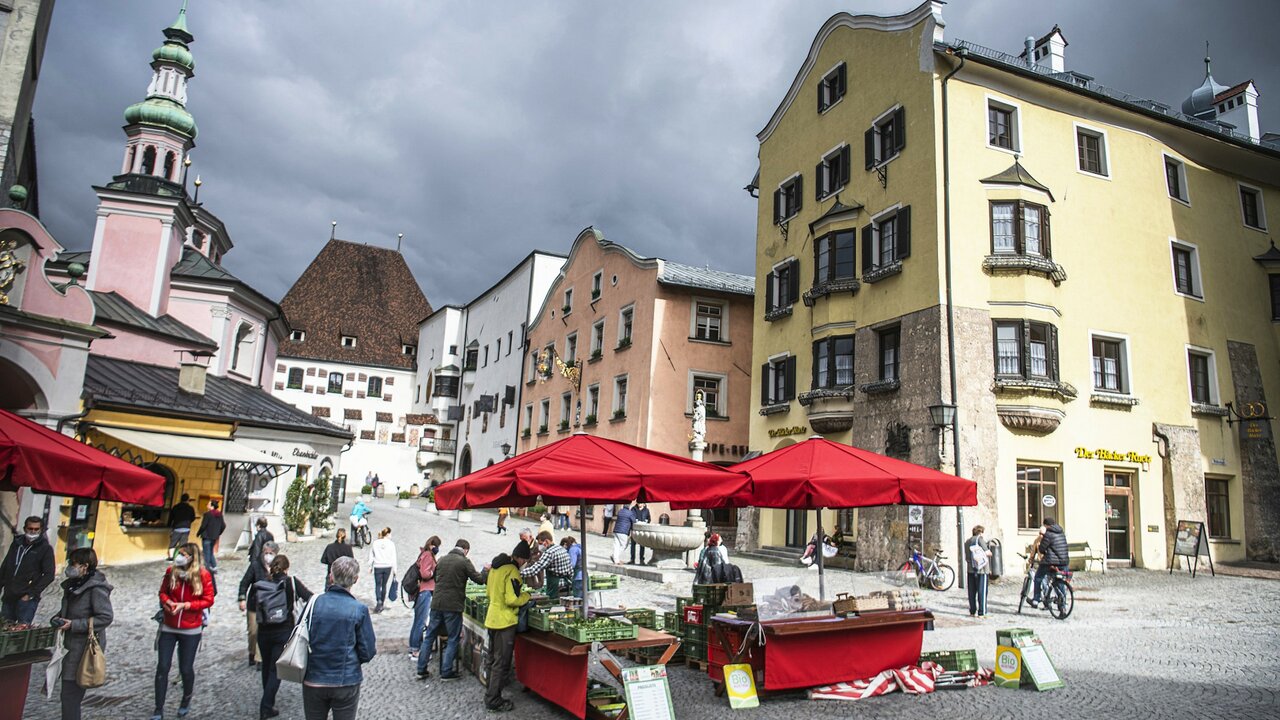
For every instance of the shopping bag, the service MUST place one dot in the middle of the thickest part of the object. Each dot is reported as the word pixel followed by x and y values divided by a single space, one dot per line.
pixel 53 671
pixel 391 590
pixel 92 672
pixel 292 665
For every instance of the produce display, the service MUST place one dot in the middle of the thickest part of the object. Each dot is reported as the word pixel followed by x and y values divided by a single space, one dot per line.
pixel 603 582
pixel 596 628
pixel 18 638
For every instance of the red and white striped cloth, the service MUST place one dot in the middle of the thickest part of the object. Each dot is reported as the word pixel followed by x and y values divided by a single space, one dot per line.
pixel 912 679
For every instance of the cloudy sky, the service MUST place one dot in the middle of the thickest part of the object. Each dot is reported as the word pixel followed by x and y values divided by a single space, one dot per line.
pixel 483 130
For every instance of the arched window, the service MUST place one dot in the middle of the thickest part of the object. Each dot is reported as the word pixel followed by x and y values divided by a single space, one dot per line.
pixel 335 382
pixel 149 161
pixel 241 357
pixel 170 162
pixel 130 157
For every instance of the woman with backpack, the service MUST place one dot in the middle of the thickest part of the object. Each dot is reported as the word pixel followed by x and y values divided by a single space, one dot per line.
pixel 426 566
pixel 185 593
pixel 277 598
pixel 382 561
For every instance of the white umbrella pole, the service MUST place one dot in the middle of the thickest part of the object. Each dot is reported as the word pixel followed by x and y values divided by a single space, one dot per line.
pixel 818 550
pixel 582 533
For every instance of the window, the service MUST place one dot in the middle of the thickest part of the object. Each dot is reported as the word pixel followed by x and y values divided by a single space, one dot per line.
pixel 885 138
pixel 889 338
pixel 1091 151
pixel 566 410
pixel 497 349
pixel 528 418
pixel 568 301
pixel 1175 178
pixel 782 286
pixel 1274 281
pixel 786 199
pixel 886 240
pixel 335 382
pixel 620 396
pixel 778 380
pixel 832 88
pixel 1252 209
pixel 241 353
pixel 1034 484
pixel 1026 349
pixel 707 321
pixel 544 415
pixel 446 386
pixel 375 387
pixel 832 173
pixel 1002 125
pixel 834 257
pixel 711 390
pixel 1110 371
pixel 295 376
pixel 486 356
pixel 593 402
pixel 1019 228
pixel 1203 378
pixel 298 335
pixel 597 284
pixel 1218 506
pixel 1186 270
pixel 472 358
pixel 571 348
pixel 453 349
pixel 409 350
pixel 510 340
pixel 348 341
pixel 597 338
pixel 833 362
pixel 533 366
pixel 624 325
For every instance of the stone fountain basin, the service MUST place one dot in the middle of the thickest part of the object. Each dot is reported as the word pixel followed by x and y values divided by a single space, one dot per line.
pixel 669 544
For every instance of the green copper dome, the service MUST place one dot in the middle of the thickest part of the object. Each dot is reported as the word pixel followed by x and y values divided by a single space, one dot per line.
pixel 161 112
pixel 175 53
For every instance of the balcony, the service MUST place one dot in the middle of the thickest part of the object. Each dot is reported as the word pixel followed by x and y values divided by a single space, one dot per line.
pixel 436 451
pixel 830 409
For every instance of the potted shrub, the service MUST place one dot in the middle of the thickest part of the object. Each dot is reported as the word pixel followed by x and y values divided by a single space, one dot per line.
pixel 564 425
pixel 566 309
pixel 322 502
pixel 403 499
pixel 597 354
pixel 619 414
pixel 624 343
pixel 542 429
pixel 297 508
pixel 527 432
pixel 366 493
pixel 431 501
pixel 591 420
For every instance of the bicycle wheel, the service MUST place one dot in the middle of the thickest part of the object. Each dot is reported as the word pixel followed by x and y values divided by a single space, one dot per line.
pixel 1064 601
pixel 942 577
pixel 1026 586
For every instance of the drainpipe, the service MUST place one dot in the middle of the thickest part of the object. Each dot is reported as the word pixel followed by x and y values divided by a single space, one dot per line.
pixel 951 309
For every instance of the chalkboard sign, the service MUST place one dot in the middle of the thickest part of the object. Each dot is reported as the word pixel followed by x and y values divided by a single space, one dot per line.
pixel 1191 541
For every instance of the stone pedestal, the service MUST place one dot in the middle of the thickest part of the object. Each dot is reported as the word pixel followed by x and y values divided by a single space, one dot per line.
pixel 694 517
pixel 668 545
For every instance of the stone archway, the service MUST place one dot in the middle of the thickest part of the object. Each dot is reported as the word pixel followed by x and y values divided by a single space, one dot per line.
pixel 464 462
pixel 18 390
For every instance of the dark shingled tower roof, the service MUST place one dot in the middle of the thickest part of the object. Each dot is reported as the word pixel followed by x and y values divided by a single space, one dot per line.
pixel 362 291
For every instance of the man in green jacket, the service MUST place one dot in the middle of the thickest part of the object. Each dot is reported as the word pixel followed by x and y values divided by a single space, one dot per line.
pixel 452 572
pixel 506 595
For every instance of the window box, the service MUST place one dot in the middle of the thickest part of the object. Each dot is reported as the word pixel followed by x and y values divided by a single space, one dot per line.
pixel 619 415
pixel 591 420
pixel 1208 410
pixel 565 310
pixel 542 429
pixel 623 344
pixel 776 409
pixel 1114 400
pixel 882 272
pixel 1025 264
pixel 595 295
pixel 1017 384
pixel 807 398
pixel 564 425
pixel 820 290
pixel 777 313
pixel 528 432
pixel 596 355
pixel 880 387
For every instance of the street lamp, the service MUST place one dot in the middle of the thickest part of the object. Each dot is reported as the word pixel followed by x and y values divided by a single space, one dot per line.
pixel 944 416
pixel 506 450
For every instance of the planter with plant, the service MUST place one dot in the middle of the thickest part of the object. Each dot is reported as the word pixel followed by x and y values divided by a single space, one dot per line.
pixel 322 501
pixel 619 414
pixel 527 432
pixel 431 500
pixel 595 294
pixel 566 309
pixel 564 425
pixel 542 429
pixel 297 506
pixel 367 490
pixel 591 420
pixel 597 354
pixel 402 500
pixel 624 343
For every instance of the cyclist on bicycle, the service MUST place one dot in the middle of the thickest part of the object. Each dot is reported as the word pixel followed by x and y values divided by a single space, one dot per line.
pixel 1051 543
pixel 359 511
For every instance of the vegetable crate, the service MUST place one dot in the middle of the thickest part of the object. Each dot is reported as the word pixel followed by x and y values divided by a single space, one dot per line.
pixel 710 594
pixel 953 660
pixel 671 622
pixel 476 590
pixel 603 629
pixel 477 607
pixel 540 619
pixel 644 617
pixel 14 642
pixel 604 582
pixel 42 637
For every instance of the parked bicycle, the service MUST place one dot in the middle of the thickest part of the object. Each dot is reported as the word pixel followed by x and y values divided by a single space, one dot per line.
pixel 929 572
pixel 1059 598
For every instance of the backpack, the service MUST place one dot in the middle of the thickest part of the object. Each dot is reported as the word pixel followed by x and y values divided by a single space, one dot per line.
pixel 272 600
pixel 409 583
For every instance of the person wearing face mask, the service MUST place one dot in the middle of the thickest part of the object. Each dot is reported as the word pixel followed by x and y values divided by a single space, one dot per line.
pixel 426 586
pixel 259 569
pixel 86 594
pixel 26 571
pixel 272 637
pixel 185 593
pixel 554 559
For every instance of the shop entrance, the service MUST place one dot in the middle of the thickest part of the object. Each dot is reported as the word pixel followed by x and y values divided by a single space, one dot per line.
pixel 797 528
pixel 1118 490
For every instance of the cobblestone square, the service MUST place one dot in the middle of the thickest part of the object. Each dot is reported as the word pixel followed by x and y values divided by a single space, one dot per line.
pixel 1140 644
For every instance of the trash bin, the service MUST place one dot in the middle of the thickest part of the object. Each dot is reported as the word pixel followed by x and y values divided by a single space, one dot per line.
pixel 997 559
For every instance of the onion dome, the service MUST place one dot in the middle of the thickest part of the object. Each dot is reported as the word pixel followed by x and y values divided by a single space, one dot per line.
pixel 161 112
pixel 1201 100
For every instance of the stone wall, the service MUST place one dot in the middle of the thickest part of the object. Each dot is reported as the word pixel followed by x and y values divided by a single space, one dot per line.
pixel 1179 448
pixel 1259 473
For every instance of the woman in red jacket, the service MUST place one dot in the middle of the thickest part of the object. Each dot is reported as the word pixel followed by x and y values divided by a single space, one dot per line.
pixel 185 593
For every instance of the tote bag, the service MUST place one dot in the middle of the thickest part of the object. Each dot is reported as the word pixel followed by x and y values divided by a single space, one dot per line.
pixel 92 672
pixel 292 665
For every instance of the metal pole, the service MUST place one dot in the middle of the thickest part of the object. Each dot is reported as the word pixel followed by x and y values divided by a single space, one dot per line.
pixel 817 549
pixel 582 533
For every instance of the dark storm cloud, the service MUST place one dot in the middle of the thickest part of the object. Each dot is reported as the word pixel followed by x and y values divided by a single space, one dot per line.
pixel 483 130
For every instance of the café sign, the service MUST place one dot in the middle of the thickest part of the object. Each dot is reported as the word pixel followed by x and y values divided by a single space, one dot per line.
pixel 1112 456
pixel 299 452
pixel 783 432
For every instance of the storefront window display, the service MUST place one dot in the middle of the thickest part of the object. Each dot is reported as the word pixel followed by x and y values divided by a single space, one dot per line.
pixel 1035 482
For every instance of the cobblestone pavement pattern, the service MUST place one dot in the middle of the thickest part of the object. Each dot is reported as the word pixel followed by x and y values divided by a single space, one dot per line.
pixel 1141 644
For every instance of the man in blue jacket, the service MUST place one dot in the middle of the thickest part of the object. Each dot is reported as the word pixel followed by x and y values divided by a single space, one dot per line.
pixel 643 515
pixel 622 522
pixel 342 640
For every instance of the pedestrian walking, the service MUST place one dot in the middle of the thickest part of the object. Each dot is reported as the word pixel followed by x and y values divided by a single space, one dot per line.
pixel 334 550
pixel 608 519
pixel 86 595
pixel 977 557
pixel 574 551
pixel 622 533
pixel 278 588
pixel 185 593
pixel 426 587
pixel 643 515
pixel 554 560
pixel 258 570
pixel 382 563
pixel 545 525
pixel 181 516
pixel 562 521
pixel 212 525
pixel 502 520
pixel 27 570
pixel 506 595
pixel 342 640
pixel 447 603
pixel 260 538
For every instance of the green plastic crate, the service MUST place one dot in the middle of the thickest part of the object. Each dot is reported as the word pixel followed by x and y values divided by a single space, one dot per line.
pixel 43 637
pixel 603 631
pixel 953 660
pixel 1007 636
pixel 604 582
pixel 544 620
pixel 476 590
pixel 712 594
pixel 695 633
pixel 695 650
pixel 682 603
pixel 14 642
pixel 671 622
pixel 644 617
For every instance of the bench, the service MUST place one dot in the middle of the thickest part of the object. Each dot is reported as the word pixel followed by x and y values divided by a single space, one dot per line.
pixel 1079 555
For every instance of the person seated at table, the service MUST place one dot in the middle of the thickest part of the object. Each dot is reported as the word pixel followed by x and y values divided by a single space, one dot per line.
pixel 829 548
pixel 554 559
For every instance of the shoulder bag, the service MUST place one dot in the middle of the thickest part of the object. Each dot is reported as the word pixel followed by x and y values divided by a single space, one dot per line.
pixel 92 672
pixel 292 665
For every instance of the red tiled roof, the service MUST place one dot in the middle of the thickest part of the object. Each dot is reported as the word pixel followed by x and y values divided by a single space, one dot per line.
pixel 1231 91
pixel 358 290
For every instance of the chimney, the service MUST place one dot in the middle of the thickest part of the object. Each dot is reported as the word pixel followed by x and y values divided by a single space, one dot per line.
pixel 1240 110
pixel 191 377
pixel 1028 52
pixel 1049 52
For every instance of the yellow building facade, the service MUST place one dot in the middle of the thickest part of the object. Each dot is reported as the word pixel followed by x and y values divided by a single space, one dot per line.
pixel 1083 266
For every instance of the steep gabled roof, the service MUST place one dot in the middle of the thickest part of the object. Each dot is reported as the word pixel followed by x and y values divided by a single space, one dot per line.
pixel 358 290
pixel 111 307
pixel 706 279
pixel 1015 174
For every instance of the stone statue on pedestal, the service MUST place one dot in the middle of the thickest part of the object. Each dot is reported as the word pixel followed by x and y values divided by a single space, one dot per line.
pixel 699 419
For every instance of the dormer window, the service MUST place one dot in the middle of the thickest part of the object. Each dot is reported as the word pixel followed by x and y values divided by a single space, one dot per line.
pixel 298 335
pixel 348 341
pixel 408 350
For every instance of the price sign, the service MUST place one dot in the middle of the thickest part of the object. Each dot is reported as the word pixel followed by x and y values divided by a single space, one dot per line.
pixel 648 694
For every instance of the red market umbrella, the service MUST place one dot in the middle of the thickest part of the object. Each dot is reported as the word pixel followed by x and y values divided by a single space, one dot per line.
pixel 36 457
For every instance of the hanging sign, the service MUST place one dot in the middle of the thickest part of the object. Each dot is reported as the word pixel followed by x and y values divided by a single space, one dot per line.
pixel 740 686
pixel 648 694
pixel 1191 541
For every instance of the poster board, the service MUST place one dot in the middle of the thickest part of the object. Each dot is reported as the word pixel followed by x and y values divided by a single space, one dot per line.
pixel 740 686
pixel 1008 667
pixel 1036 665
pixel 1191 541
pixel 648 693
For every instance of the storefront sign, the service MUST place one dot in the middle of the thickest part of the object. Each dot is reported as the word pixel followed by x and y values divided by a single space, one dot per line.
pixel 299 452
pixel 1008 667
pixel 1112 456
pixel 1191 541
pixel 1048 501
pixel 783 432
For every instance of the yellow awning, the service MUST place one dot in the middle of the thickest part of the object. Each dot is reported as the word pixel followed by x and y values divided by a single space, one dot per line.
pixel 187 446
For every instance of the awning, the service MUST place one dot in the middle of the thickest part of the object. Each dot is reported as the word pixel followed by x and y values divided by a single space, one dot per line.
pixel 195 448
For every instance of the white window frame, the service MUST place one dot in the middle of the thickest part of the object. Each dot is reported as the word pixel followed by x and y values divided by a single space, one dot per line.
pixel 1195 268
pixel 528 417
pixel 597 284
pixel 1015 123
pixel 799 201
pixel 298 335
pixel 876 146
pixel 620 404
pixel 773 375
pixel 597 336
pixel 721 398
pixel 568 301
pixel 724 319
pixel 1104 149
pixel 822 86
pixel 776 279
pixel 876 221
pixel 825 185
pixel 566 408
pixel 347 341
pixel 1214 397
pixel 1262 206
pixel 571 347
pixel 1166 158
pixel 1126 368
pixel 544 414
pixel 622 323
pixel 593 400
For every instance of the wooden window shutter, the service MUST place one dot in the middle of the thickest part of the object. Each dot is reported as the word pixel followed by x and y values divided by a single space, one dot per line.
pixel 768 292
pixel 819 187
pixel 844 151
pixel 793 282
pixel 1025 343
pixel 903 225
pixel 869 144
pixel 813 382
pixel 867 254
pixel 764 384
pixel 899 128
pixel 841 77
pixel 1051 356
pixel 777 206
pixel 799 193
pixel 791 378
pixel 822 86
pixel 1045 248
